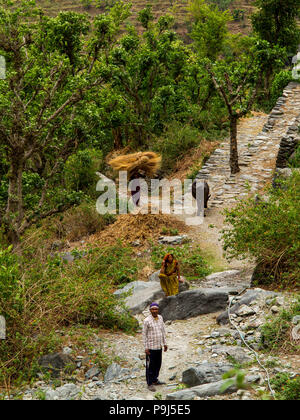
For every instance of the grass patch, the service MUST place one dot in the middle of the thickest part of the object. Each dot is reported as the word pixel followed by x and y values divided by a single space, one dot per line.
pixel 39 298
pixel 276 334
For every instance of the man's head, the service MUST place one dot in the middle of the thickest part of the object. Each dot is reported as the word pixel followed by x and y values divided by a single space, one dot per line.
pixel 154 309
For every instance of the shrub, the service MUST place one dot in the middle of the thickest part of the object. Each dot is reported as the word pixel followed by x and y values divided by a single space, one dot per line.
pixel 285 387
pixel 177 140
pixel 281 80
pixel 37 298
pixel 275 334
pixel 268 232
pixel 80 168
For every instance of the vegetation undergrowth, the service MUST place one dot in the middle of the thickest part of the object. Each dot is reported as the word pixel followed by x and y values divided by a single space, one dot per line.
pixel 268 232
pixel 37 298
pixel 276 333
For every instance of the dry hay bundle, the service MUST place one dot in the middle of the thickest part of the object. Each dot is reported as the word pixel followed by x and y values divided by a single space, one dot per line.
pixel 148 162
pixel 132 227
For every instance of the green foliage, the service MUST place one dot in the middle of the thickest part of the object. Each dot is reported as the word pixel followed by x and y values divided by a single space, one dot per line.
pixel 285 387
pixel 80 168
pixel 145 16
pixel 269 233
pixel 53 101
pixel 175 142
pixel 191 262
pixel 222 4
pixel 236 378
pixel 148 76
pixel 10 287
pixel 280 81
pixel 275 334
pixel 238 14
pixel 209 29
pixel 39 297
pixel 275 21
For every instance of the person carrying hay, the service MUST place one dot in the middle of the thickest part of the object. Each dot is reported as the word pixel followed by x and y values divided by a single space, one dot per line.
pixel 169 275
pixel 137 165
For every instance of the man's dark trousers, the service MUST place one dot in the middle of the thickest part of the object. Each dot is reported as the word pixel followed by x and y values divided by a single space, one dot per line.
pixel 153 364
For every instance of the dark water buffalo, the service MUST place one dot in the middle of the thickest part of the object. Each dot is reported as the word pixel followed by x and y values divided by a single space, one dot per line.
pixel 200 192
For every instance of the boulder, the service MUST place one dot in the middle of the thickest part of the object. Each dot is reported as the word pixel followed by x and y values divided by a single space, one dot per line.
pixel 115 371
pixel 57 363
pixel 65 392
pixel 205 373
pixel 172 240
pixel 205 390
pixel 143 293
pixel 193 303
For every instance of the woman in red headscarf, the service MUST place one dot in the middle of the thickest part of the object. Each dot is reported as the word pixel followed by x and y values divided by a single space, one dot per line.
pixel 169 275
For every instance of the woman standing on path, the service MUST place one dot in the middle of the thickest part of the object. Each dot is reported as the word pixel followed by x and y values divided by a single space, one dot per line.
pixel 170 275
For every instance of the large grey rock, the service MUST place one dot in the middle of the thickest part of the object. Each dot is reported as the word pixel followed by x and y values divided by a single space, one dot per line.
pixel 65 392
pixel 172 240
pixel 205 373
pixel 143 293
pixel 222 275
pixel 193 303
pixel 115 371
pixel 206 390
pixel 57 363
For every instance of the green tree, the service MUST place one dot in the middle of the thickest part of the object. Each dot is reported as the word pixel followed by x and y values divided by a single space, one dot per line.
pixel 53 75
pixel 275 21
pixel 147 74
pixel 238 83
pixel 209 29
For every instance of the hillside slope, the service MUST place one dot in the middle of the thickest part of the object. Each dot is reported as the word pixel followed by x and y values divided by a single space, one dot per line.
pixel 159 7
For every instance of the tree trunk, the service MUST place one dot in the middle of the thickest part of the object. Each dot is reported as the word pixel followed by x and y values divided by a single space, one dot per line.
pixel 15 210
pixel 234 159
pixel 117 136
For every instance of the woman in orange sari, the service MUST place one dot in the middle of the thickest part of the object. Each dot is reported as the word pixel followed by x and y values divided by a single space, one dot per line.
pixel 169 275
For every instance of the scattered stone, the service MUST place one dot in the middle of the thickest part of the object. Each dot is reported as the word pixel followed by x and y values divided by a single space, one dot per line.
pixel 236 352
pixel 172 240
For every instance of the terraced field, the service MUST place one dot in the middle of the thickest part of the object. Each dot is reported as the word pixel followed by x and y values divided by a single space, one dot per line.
pixel 159 7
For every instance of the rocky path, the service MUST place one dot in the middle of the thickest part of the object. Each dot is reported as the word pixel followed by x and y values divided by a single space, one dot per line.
pixel 258 143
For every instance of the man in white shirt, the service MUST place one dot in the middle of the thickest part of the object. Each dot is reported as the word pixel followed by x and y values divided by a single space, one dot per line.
pixel 154 337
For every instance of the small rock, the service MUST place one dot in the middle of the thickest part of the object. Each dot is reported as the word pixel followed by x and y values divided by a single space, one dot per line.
pixel 91 373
